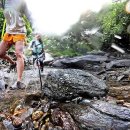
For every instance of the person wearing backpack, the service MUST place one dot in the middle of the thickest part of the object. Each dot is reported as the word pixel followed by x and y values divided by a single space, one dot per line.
pixel 14 11
pixel 38 52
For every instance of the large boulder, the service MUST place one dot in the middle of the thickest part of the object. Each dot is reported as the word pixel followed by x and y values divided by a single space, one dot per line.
pixel 63 84
pixel 99 115
pixel 87 62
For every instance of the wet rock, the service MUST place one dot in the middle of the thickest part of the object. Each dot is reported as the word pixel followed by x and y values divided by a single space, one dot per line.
pixel 119 112
pixel 63 119
pixel 100 115
pixel 48 63
pixel 2 85
pixel 18 112
pixel 58 64
pixel 77 100
pixel 120 93
pixel 15 104
pixel 87 62
pixel 36 125
pixel 46 107
pixel 8 124
pixel 27 114
pixel 54 104
pixel 2 117
pixel 117 77
pixel 34 104
pixel 17 123
pixel 85 102
pixel 33 85
pixel 126 104
pixel 118 63
pixel 37 115
pixel 120 102
pixel 29 97
pixel 65 84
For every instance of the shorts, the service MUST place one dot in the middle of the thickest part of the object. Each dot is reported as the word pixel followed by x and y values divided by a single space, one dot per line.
pixel 12 38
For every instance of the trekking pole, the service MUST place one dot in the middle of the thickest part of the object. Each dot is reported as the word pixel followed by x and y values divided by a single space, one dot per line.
pixel 38 67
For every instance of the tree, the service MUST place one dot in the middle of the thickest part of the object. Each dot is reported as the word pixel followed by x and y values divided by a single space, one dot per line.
pixel 115 22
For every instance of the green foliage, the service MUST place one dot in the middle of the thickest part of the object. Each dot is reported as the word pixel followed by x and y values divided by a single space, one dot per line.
pixel 111 20
pixel 27 52
pixel 76 41
pixel 29 29
pixel 115 21
pixel 66 53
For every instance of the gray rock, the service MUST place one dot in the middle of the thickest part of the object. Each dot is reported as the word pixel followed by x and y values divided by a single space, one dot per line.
pixel 100 115
pixel 65 84
pixel 87 62
pixel 119 112
pixel 59 116
pixel 2 85
pixel 118 63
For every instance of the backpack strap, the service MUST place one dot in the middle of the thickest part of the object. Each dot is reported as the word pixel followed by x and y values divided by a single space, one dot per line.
pixel 4 24
pixel 3 29
pixel 27 23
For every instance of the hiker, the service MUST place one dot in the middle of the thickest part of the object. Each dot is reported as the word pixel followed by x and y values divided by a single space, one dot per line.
pixel 14 11
pixel 38 52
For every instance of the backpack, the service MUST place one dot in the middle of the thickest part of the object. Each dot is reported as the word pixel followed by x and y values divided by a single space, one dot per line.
pixel 36 47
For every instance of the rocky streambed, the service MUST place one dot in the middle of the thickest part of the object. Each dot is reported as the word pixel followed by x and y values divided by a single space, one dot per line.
pixel 81 93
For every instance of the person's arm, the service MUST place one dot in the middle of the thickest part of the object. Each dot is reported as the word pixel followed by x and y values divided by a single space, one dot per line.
pixel 43 48
pixel 41 42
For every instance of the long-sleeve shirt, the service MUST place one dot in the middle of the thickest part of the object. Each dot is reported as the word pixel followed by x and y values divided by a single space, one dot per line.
pixel 14 10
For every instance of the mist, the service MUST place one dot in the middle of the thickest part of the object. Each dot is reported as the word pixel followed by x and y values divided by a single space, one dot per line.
pixel 57 16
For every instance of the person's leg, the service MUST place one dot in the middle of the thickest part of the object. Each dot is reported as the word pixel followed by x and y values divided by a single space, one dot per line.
pixel 4 47
pixel 19 45
pixel 41 65
pixel 34 61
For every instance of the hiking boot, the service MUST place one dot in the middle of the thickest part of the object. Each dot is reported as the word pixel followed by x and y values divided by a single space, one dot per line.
pixel 21 85
pixel 18 85
pixel 12 67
